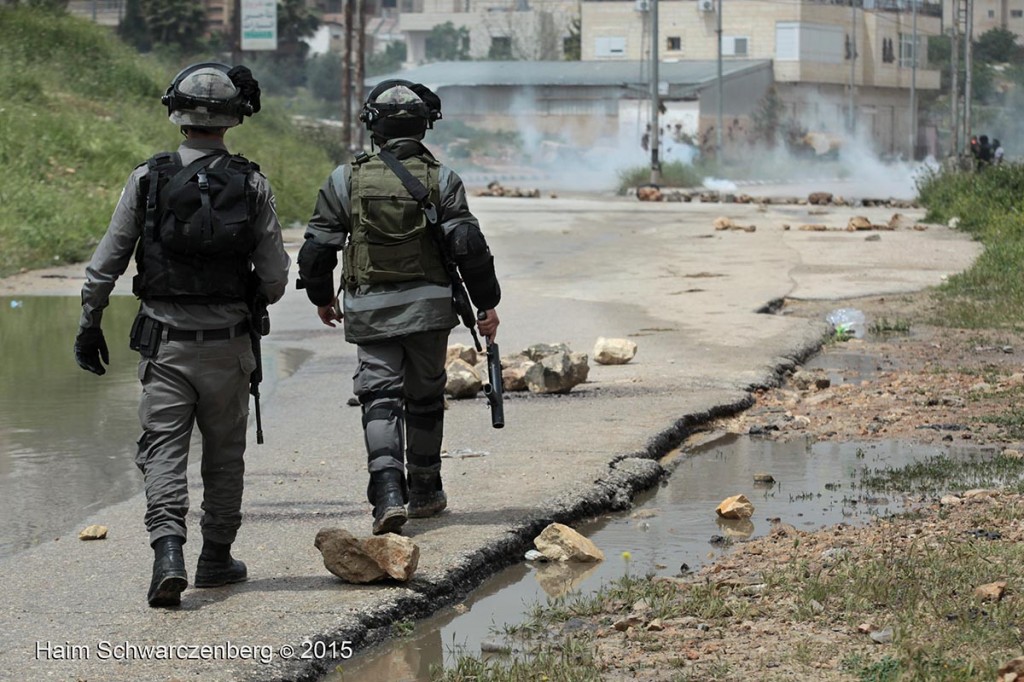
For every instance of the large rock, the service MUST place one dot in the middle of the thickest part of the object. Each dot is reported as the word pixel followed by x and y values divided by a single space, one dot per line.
pixel 366 561
pixel 820 198
pixel 458 351
pixel 614 351
pixel 463 381
pixel 513 372
pixel 559 542
pixel 648 193
pixel 735 507
pixel 558 373
pixel 539 351
pixel 344 556
pixel 398 556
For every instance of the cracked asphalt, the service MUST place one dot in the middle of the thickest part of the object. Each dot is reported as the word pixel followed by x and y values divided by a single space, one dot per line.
pixel 572 269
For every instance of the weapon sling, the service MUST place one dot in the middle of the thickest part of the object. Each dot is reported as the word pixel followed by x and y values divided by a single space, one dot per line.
pixel 492 390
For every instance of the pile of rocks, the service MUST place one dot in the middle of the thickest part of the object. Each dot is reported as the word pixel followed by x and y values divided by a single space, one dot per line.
pixel 495 189
pixel 652 193
pixel 541 368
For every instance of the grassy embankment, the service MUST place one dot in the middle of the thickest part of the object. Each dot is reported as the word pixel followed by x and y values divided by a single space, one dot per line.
pixel 78 111
pixel 990 207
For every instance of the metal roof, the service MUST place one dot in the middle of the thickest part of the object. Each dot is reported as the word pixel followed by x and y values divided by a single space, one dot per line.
pixel 588 73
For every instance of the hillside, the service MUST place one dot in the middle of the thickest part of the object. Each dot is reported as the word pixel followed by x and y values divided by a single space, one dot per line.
pixel 78 111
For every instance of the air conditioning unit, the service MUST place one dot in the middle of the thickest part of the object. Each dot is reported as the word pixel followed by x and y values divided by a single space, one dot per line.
pixel 706 5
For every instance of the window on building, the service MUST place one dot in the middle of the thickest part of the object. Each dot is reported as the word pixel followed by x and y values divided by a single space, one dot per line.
pixel 734 46
pixel 610 46
pixel 674 44
pixel 1017 13
pixel 501 48
pixel 991 14
pixel 795 41
pixel 907 50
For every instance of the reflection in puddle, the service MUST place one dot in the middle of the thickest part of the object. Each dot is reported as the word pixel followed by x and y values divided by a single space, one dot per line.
pixel 815 485
pixel 67 437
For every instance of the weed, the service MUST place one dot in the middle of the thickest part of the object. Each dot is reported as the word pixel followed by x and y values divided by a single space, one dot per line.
pixel 883 326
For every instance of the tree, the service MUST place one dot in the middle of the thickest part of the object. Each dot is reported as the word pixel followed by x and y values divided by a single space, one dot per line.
pixel 176 23
pixel 445 43
pixel 768 117
pixel 132 28
pixel 387 61
pixel 997 46
pixel 294 22
pixel 323 76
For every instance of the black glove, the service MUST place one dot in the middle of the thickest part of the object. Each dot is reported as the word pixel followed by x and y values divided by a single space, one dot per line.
pixel 241 76
pixel 90 346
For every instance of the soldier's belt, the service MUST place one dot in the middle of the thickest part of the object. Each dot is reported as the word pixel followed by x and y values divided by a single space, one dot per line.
pixel 239 329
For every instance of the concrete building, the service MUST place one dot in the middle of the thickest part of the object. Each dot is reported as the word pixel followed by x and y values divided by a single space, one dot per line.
pixel 497 29
pixel 989 14
pixel 825 54
pixel 594 104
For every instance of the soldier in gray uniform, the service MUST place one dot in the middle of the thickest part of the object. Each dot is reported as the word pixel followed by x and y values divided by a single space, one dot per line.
pixel 202 227
pixel 397 301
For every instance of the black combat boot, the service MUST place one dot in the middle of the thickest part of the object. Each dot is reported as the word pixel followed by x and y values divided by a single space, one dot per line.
pixel 387 493
pixel 169 577
pixel 216 566
pixel 426 496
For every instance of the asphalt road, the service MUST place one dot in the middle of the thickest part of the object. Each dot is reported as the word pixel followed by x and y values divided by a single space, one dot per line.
pixel 572 269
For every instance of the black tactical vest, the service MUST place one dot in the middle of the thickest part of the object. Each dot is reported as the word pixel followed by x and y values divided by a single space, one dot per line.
pixel 197 237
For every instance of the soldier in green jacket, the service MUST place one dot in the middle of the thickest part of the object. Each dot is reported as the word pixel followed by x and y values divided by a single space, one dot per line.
pixel 396 298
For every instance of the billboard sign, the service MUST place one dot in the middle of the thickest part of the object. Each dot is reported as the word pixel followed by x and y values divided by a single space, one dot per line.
pixel 259 24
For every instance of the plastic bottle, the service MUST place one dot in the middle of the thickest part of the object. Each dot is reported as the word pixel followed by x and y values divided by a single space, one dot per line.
pixel 848 322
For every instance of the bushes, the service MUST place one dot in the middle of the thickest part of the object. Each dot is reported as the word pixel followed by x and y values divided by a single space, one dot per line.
pixel 989 206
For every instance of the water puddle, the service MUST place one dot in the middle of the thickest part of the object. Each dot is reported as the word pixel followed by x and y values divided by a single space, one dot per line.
pixel 815 485
pixel 67 437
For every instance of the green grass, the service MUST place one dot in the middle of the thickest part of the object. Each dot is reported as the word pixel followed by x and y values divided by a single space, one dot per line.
pixel 673 174
pixel 990 207
pixel 78 111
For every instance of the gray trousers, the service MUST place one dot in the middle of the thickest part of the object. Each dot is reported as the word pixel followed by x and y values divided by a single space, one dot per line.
pixel 400 383
pixel 189 383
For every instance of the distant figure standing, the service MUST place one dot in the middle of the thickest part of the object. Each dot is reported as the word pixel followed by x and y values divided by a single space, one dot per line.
pixel 997 154
pixel 984 152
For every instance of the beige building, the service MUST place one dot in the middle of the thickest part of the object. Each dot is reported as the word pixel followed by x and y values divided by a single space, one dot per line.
pixel 818 48
pixel 989 14
pixel 497 29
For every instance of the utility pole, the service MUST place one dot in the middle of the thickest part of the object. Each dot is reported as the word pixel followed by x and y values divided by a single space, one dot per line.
pixel 852 118
pixel 655 162
pixel 968 67
pixel 913 86
pixel 346 81
pixel 718 127
pixel 359 70
pixel 236 27
pixel 954 77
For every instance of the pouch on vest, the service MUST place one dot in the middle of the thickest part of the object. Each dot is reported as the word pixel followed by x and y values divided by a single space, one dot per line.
pixel 205 211
pixel 390 239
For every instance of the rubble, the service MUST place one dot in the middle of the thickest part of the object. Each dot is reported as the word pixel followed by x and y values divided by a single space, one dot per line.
pixel 495 189
pixel 367 560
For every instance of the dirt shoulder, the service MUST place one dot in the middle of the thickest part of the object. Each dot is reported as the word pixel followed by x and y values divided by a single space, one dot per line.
pixel 892 600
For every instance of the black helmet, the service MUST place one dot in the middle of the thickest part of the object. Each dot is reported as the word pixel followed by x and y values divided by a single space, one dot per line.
pixel 203 95
pixel 400 108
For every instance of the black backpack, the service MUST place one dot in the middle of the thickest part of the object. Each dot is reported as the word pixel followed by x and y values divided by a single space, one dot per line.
pixel 201 210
